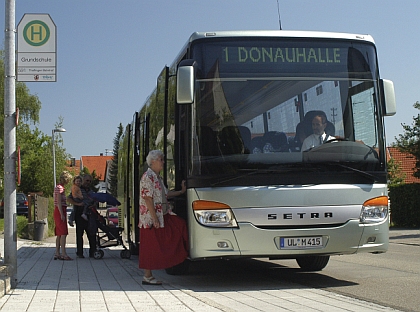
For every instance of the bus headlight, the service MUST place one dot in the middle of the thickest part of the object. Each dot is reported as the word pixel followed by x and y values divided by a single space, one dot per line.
pixel 214 214
pixel 374 210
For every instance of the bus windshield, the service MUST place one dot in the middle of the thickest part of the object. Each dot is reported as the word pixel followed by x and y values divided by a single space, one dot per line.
pixel 258 104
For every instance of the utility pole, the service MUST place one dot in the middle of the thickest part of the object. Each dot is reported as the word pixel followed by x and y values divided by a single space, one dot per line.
pixel 10 120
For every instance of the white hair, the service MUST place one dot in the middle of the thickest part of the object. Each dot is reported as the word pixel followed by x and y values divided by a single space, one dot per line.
pixel 153 155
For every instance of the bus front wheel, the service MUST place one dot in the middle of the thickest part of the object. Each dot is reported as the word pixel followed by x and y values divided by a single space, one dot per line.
pixel 313 263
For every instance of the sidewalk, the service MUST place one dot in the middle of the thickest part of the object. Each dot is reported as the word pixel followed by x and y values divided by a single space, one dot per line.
pixel 114 284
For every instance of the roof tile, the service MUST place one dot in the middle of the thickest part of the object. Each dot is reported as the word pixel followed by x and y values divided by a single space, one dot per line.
pixel 97 163
pixel 406 161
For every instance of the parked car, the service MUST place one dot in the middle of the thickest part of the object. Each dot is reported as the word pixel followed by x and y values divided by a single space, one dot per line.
pixel 112 216
pixel 21 205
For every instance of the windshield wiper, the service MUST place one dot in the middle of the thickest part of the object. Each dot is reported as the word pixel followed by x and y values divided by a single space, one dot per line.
pixel 370 152
pixel 285 169
pixel 232 178
pixel 360 172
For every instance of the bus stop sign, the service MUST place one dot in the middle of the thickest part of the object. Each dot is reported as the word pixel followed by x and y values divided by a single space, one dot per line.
pixel 37 46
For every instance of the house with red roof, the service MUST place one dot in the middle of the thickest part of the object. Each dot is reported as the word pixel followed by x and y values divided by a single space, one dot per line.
pixel 73 166
pixel 406 161
pixel 100 164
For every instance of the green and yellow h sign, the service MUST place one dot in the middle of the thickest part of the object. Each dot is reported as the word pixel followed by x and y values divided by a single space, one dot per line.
pixel 36 33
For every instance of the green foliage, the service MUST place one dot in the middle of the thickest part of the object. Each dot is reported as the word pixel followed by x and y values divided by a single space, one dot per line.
pixel 22 223
pixel 33 149
pixel 95 179
pixel 122 165
pixel 113 171
pixel 29 105
pixel 51 223
pixel 395 174
pixel 37 160
pixel 35 146
pixel 405 211
pixel 409 141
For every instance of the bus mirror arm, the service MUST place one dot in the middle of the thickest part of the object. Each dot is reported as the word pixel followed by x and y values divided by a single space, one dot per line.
pixel 185 82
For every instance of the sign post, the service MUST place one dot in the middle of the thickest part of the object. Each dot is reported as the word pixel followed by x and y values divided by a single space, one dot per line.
pixel 37 46
pixel 10 229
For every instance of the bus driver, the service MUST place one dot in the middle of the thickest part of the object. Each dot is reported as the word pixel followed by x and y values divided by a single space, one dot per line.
pixel 319 123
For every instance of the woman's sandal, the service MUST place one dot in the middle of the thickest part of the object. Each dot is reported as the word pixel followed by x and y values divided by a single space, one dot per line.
pixel 65 258
pixel 150 281
pixel 57 257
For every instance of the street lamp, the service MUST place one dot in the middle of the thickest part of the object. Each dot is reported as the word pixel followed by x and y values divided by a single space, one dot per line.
pixel 53 148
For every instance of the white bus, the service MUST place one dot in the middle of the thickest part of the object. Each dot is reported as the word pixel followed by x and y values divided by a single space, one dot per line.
pixel 231 113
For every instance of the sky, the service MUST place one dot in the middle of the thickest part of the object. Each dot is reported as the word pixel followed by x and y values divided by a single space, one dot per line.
pixel 109 53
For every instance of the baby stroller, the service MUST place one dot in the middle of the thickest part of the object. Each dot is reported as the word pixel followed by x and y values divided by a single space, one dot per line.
pixel 106 235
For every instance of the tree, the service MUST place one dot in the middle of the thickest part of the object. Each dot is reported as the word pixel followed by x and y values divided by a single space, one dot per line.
pixel 35 146
pixel 29 107
pixel 409 141
pixel 95 179
pixel 113 171
pixel 37 160
pixel 395 174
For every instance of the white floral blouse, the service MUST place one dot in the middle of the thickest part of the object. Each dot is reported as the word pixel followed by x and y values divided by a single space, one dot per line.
pixel 151 187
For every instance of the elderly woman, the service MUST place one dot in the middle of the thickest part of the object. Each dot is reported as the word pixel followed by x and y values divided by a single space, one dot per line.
pixel 163 235
pixel 60 217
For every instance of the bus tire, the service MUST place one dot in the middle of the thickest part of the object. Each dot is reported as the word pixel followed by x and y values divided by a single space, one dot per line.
pixel 179 269
pixel 313 263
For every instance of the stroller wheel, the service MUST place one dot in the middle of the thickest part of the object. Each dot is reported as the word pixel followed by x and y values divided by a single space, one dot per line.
pixel 125 254
pixel 99 254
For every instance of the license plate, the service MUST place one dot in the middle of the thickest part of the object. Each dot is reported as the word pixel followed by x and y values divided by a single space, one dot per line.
pixel 300 242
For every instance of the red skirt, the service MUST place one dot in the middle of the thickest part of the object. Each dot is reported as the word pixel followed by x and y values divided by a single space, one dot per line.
pixel 60 225
pixel 164 247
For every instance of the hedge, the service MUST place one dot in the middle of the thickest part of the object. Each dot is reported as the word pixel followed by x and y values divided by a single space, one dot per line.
pixel 405 205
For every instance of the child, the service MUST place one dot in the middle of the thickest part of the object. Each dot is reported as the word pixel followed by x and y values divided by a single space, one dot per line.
pixel 78 197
